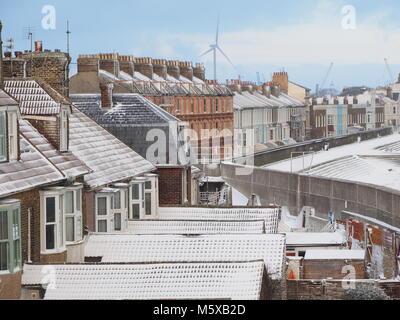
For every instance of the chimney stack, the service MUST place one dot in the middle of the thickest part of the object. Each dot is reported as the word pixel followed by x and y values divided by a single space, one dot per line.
pixel 199 71
pixel 275 90
pixel 1 58
pixel 173 69
pixel 145 67
pixel 160 68
pixel 38 46
pixel 126 64
pixel 106 90
pixel 389 92
pixel 234 85
pixel 266 90
pixel 109 62
pixel 186 68
pixel 248 86
pixel 88 63
pixel 283 79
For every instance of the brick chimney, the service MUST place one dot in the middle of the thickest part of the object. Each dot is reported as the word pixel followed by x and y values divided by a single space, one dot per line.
pixel 234 85
pixel 173 69
pixel 160 68
pixel 248 86
pixel 275 90
pixel 145 67
pixel 389 92
pixel 186 68
pixel 199 71
pixel 1 58
pixel 106 90
pixel 266 90
pixel 283 79
pixel 109 62
pixel 88 63
pixel 127 65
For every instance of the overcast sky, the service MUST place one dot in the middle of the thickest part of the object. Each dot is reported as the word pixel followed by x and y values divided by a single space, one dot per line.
pixel 302 37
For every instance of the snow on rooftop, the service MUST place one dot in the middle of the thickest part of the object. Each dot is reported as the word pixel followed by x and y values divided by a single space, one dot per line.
pixel 315 238
pixel 367 147
pixel 366 162
pixel 238 199
pixel 128 248
pixel 268 215
pixel 195 227
pixel 166 281
pixel 334 255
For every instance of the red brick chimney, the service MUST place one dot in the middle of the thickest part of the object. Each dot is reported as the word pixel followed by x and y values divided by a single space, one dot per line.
pixel 186 68
pixel 199 71
pixel 106 90
pixel 145 67
pixel 234 85
pixel 173 69
pixel 109 62
pixel 160 68
pixel 126 64
pixel 283 79
pixel 88 63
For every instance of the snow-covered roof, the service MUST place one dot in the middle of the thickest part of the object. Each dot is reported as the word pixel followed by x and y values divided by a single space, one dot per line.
pixel 128 248
pixel 374 161
pixel 70 165
pixel 246 99
pixel 334 255
pixel 270 216
pixel 31 171
pixel 109 158
pixel 35 97
pixel 195 227
pixel 164 281
pixel 315 238
pixel 6 99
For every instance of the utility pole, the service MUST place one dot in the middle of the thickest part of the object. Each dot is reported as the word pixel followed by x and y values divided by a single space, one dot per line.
pixel 68 35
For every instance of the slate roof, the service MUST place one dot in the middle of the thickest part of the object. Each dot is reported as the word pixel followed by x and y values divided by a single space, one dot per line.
pixel 129 109
pixel 109 158
pixel 128 248
pixel 164 281
pixel 33 170
pixel 35 96
pixel 257 100
pixel 70 165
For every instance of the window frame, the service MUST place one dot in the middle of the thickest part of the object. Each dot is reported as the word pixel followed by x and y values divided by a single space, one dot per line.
pixel 13 209
pixel 76 215
pixel 3 137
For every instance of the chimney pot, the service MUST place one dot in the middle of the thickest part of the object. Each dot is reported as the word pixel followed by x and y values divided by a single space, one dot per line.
pixel 38 46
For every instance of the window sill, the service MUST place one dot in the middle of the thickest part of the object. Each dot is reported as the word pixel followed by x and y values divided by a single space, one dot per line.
pixel 51 252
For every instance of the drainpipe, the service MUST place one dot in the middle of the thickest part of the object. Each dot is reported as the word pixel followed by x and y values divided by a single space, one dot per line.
pixel 29 234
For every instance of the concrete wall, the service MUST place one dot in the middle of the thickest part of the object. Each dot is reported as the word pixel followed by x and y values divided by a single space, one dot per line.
pixel 281 153
pixel 296 191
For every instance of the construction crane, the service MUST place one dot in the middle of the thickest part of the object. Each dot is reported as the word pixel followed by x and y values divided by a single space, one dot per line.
pixel 389 71
pixel 321 87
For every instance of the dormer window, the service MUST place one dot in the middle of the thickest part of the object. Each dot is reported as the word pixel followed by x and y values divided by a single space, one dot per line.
pixel 8 135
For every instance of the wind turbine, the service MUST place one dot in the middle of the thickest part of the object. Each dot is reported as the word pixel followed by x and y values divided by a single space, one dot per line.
pixel 214 48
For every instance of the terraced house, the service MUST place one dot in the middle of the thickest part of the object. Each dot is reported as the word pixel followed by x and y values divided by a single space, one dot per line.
pixel 61 176
pixel 178 87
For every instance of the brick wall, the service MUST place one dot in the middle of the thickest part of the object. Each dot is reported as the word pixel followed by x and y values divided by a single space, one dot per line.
pixel 30 200
pixel 51 67
pixel 323 269
pixel 10 286
pixel 332 290
pixel 170 185
pixel 14 67
pixel 49 129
